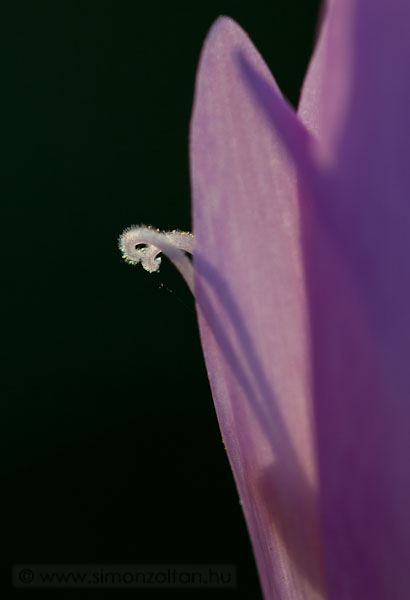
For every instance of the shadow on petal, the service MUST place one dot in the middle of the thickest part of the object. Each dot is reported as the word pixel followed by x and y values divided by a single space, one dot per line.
pixel 279 502
pixel 280 115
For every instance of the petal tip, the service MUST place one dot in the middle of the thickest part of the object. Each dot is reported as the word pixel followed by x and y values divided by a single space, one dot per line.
pixel 224 27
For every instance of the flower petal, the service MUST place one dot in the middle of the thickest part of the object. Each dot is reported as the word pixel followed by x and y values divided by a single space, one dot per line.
pixel 357 234
pixel 252 306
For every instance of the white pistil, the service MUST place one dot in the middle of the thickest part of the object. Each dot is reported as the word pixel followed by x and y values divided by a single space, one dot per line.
pixel 141 244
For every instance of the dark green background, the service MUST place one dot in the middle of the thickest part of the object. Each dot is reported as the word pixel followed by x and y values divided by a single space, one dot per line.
pixel 113 449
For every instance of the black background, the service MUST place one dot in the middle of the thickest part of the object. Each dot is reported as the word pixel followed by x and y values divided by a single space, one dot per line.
pixel 113 449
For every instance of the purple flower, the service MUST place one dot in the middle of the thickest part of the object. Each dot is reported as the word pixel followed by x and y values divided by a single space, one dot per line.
pixel 302 283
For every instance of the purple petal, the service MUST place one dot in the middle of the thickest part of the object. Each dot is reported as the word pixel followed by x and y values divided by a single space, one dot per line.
pixel 252 304
pixel 357 235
